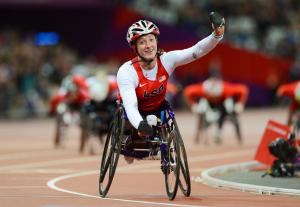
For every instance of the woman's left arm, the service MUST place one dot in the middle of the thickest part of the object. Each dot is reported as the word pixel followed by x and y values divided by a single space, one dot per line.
pixel 176 58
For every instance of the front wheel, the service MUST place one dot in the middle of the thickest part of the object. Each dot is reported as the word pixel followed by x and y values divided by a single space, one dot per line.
pixel 110 156
pixel 60 130
pixel 171 165
pixel 184 180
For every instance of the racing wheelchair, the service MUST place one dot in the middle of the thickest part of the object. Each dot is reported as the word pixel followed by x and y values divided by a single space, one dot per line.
pixel 166 144
pixel 95 119
pixel 210 114
pixel 67 114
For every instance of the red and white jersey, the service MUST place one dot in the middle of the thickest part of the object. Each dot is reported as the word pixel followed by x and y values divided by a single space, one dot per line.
pixel 216 94
pixel 291 90
pixel 78 97
pixel 151 93
pixel 131 82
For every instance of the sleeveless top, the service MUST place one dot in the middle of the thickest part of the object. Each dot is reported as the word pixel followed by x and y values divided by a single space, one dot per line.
pixel 151 94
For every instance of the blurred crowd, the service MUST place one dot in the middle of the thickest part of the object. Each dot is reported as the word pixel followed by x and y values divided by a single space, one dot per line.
pixel 31 74
pixel 270 26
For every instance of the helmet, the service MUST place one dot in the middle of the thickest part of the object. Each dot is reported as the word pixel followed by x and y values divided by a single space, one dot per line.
pixel 297 93
pixel 140 28
pixel 72 87
pixel 98 87
pixel 98 91
pixel 213 87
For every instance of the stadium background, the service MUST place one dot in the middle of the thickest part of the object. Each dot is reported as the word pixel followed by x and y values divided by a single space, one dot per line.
pixel 260 49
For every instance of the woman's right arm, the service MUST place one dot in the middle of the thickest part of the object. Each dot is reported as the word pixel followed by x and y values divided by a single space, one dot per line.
pixel 127 82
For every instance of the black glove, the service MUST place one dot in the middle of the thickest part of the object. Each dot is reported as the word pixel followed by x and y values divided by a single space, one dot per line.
pixel 145 129
pixel 216 19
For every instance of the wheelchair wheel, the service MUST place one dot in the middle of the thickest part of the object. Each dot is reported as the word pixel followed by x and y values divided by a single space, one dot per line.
pixel 171 168
pixel 60 130
pixel 184 180
pixel 201 131
pixel 111 153
pixel 84 125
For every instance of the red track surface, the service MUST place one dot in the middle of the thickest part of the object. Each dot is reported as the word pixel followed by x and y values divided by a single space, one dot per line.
pixel 33 173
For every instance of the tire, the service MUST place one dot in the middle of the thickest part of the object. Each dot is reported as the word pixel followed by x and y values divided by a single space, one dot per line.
pixel 111 153
pixel 60 131
pixel 172 169
pixel 201 131
pixel 184 180
pixel 85 132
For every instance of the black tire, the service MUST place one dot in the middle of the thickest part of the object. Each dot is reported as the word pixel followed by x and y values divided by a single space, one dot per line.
pixel 60 130
pixel 111 153
pixel 172 170
pixel 184 180
pixel 201 129
pixel 85 132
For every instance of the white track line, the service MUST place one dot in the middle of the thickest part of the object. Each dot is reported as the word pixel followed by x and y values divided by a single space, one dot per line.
pixel 22 155
pixel 48 163
pixel 92 159
pixel 52 183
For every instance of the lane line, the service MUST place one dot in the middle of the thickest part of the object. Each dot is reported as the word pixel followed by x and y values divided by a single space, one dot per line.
pixel 22 155
pixel 22 186
pixel 51 184
pixel 48 163
pixel 91 159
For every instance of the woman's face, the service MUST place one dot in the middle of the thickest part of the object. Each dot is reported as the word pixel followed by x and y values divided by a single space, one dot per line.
pixel 147 46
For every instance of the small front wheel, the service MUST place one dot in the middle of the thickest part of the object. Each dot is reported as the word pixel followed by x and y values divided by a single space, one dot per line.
pixel 111 153
pixel 184 181
pixel 171 165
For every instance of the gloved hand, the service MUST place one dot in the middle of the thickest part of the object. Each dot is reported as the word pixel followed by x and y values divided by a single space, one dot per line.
pixel 238 108
pixel 297 93
pixel 144 129
pixel 194 108
pixel 151 120
pixel 201 107
pixel 218 23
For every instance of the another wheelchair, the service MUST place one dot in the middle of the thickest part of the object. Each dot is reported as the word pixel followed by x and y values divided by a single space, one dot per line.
pixel 210 114
pixel 166 145
pixel 67 114
pixel 95 119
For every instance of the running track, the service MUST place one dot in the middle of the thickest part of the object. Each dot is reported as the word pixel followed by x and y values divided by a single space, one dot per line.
pixel 33 173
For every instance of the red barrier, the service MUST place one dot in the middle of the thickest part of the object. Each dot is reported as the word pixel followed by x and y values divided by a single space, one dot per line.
pixel 273 131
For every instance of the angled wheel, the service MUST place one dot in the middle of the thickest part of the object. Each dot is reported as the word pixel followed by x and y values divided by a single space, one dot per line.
pixel 201 131
pixel 60 130
pixel 171 165
pixel 184 180
pixel 111 153
pixel 85 132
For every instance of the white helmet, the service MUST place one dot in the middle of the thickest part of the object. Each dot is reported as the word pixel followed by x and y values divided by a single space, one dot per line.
pixel 213 87
pixel 140 28
pixel 98 91
pixel 297 92
pixel 98 87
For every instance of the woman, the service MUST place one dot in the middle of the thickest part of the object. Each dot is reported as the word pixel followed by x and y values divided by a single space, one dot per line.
pixel 142 81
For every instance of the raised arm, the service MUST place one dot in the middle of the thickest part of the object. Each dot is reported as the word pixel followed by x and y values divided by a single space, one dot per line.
pixel 177 58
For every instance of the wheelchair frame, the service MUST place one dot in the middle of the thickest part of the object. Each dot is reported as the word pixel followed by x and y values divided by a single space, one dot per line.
pixel 94 123
pixel 173 158
pixel 203 125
